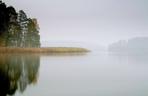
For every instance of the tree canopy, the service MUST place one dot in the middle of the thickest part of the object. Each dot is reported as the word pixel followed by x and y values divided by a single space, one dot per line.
pixel 16 29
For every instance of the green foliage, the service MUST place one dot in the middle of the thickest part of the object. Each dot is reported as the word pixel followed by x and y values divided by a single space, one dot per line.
pixel 16 29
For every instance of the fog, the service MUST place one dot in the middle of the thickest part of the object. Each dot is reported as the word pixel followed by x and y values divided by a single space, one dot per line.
pixel 95 22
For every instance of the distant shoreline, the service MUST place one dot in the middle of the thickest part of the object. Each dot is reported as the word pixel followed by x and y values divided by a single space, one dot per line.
pixel 43 50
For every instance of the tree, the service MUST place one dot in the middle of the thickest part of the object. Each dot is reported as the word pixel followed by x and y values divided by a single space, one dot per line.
pixel 13 38
pixel 16 29
pixel 33 38
pixel 29 31
pixel 23 22
pixel 4 19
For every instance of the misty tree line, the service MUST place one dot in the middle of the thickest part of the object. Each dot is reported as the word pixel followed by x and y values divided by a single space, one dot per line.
pixel 16 29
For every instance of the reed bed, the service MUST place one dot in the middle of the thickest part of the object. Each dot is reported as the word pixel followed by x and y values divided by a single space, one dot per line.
pixel 43 50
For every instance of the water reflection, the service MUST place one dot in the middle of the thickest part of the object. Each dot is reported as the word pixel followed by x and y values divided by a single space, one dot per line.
pixel 129 58
pixel 17 71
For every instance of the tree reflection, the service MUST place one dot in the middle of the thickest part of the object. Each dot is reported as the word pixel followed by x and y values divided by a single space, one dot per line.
pixel 17 71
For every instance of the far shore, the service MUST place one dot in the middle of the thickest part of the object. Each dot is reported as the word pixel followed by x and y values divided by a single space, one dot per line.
pixel 43 50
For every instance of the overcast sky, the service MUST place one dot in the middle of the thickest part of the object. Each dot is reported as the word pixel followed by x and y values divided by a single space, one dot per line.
pixel 90 21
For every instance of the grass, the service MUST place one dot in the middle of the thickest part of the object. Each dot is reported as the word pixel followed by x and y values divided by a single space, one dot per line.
pixel 43 50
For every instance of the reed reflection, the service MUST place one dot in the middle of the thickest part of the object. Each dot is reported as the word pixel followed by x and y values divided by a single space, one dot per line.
pixel 17 72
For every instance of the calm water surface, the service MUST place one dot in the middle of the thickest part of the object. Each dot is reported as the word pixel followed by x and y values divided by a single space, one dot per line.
pixel 93 74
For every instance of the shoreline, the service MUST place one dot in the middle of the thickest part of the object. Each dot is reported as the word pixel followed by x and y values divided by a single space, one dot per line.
pixel 44 50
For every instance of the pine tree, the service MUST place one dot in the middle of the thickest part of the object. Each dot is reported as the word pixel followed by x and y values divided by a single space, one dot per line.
pixel 13 29
pixel 33 38
pixel 23 22
pixel 16 30
pixel 4 19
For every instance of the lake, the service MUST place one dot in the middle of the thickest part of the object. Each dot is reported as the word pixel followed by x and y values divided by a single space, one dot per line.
pixel 92 74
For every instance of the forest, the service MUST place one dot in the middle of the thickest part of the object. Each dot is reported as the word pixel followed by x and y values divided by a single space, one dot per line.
pixel 16 29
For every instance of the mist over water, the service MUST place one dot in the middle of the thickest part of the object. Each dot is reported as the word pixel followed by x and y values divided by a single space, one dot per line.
pixel 90 74
pixel 113 30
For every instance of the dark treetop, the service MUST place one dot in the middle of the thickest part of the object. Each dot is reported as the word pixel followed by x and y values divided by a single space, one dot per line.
pixel 16 29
